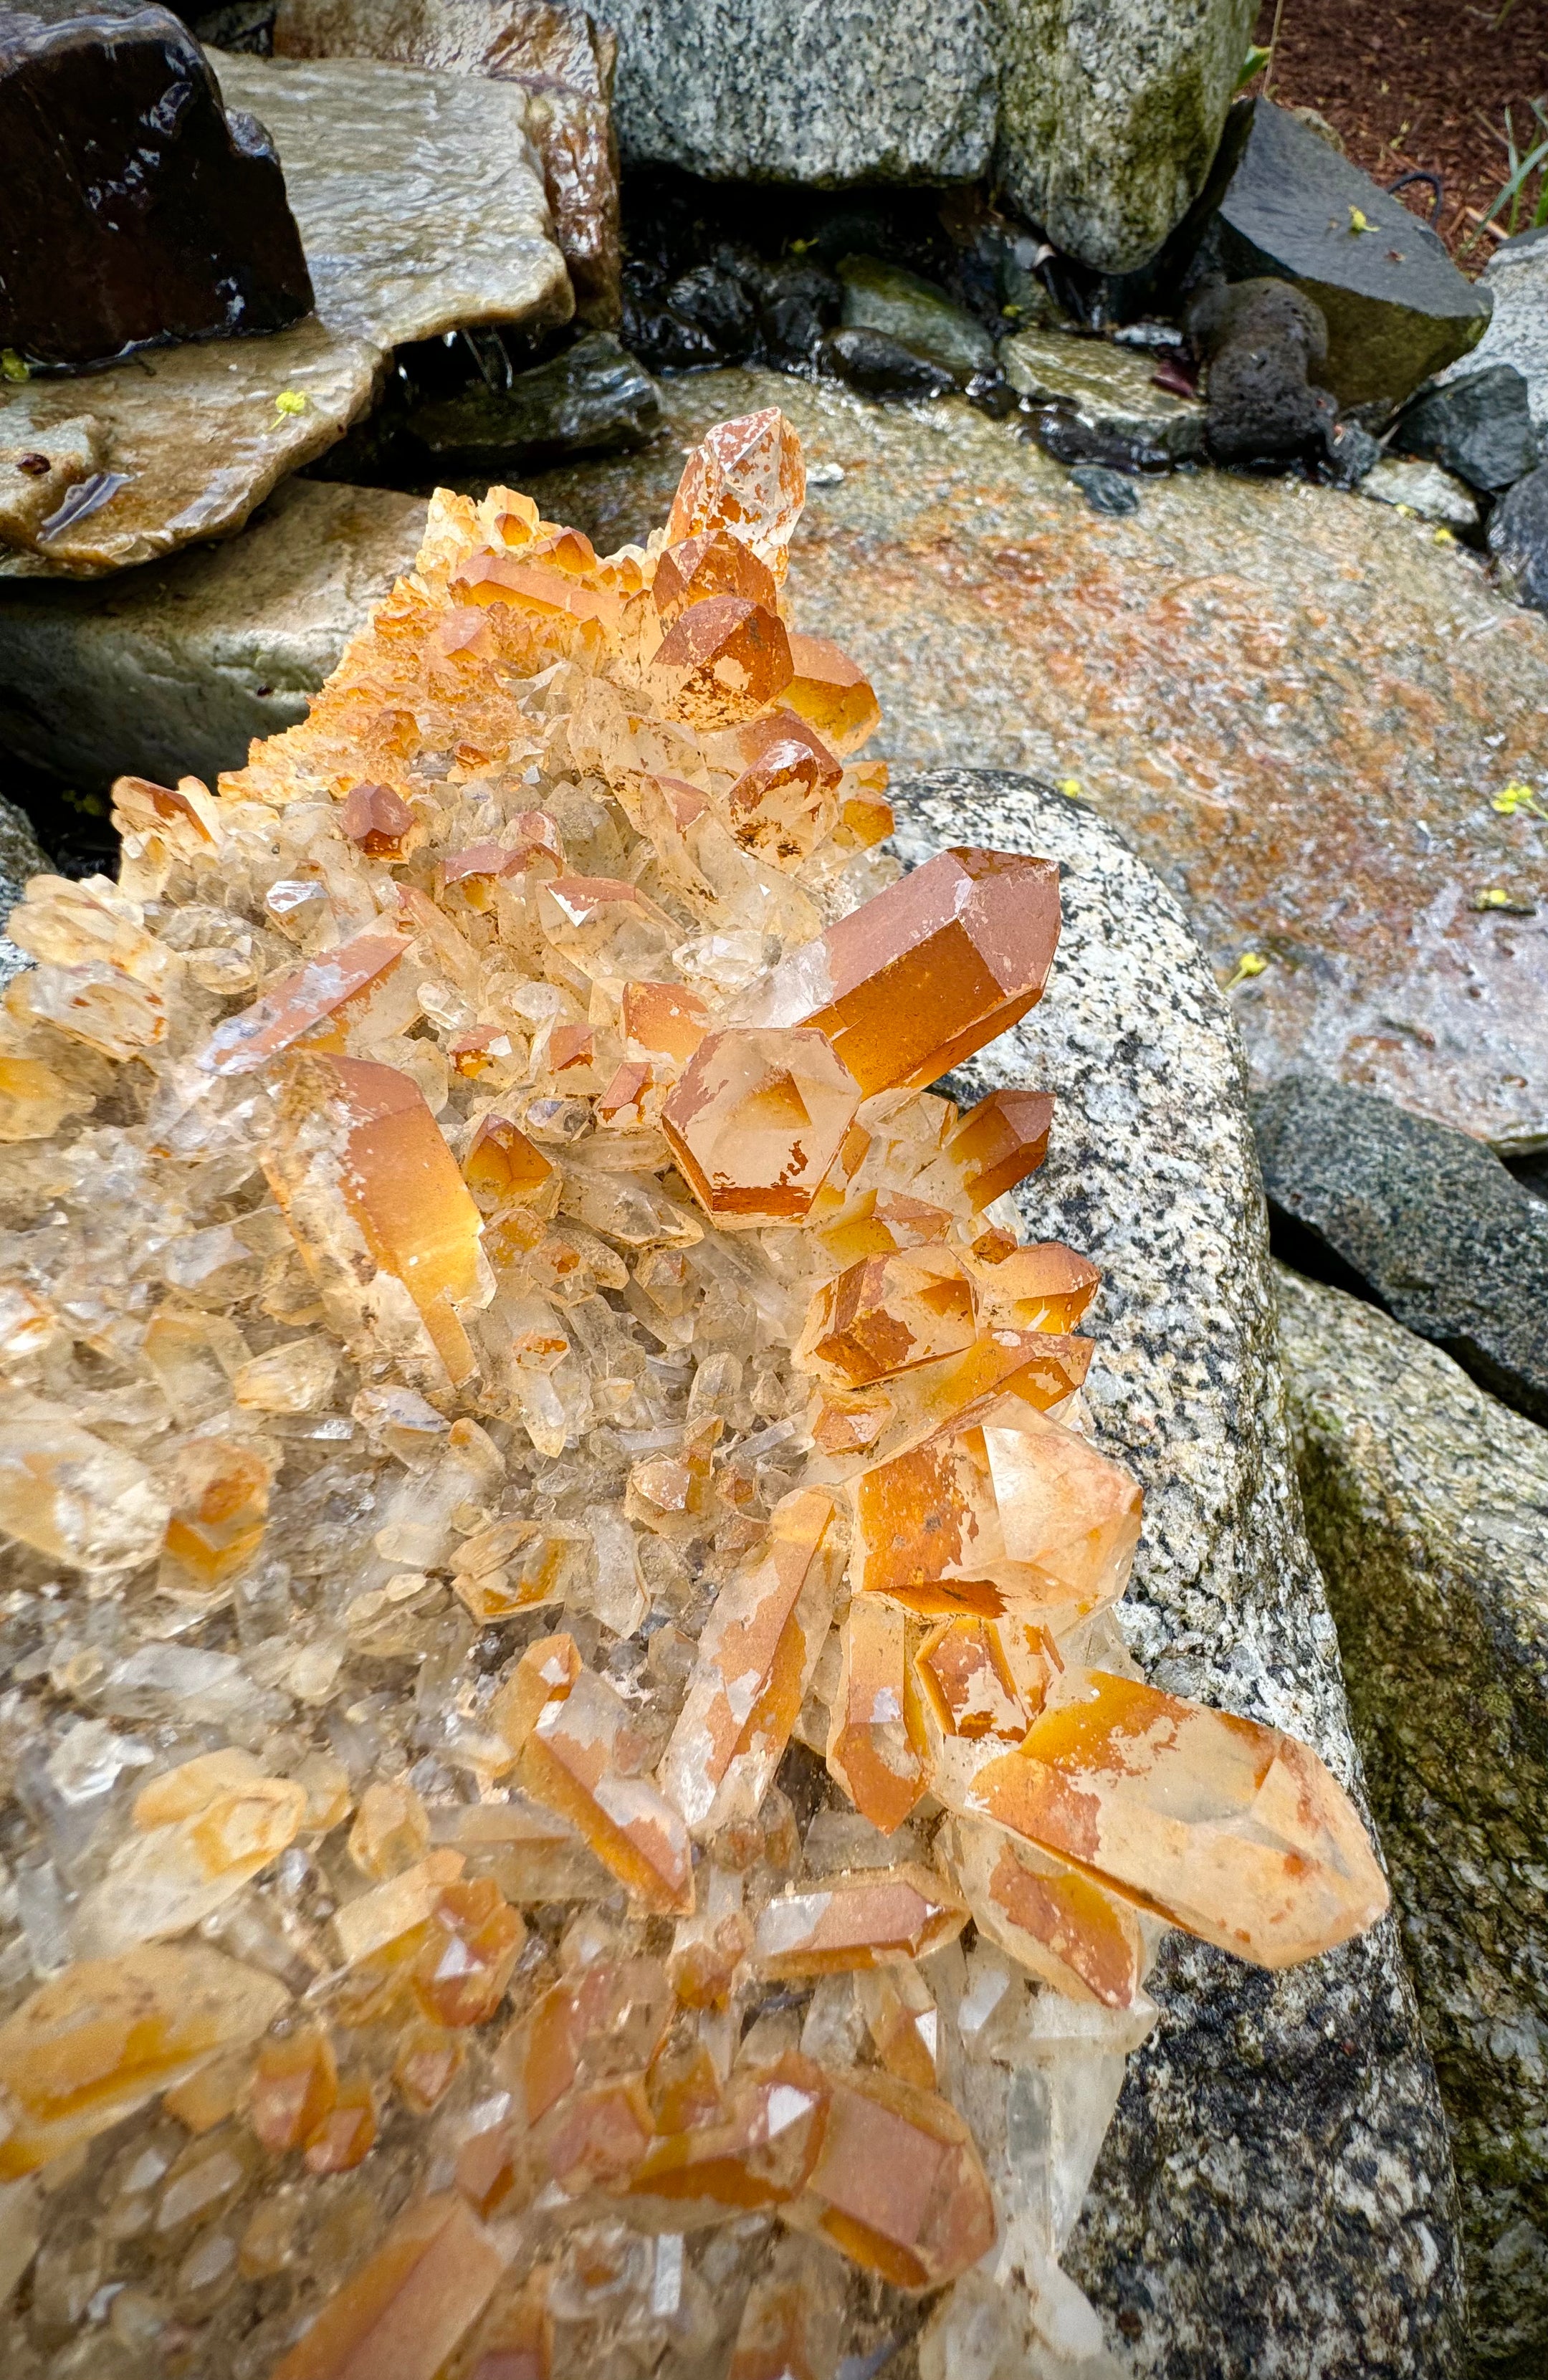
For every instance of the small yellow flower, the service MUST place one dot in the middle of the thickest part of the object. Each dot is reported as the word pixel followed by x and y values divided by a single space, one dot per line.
pixel 11 365
pixel 1517 796
pixel 1251 962
pixel 1358 222
pixel 1495 897
pixel 1445 536
pixel 1072 789
pixel 290 400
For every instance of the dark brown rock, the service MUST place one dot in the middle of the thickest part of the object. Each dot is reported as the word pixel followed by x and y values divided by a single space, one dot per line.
pixel 1262 340
pixel 138 210
pixel 560 57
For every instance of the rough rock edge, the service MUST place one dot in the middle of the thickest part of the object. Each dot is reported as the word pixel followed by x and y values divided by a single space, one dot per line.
pixel 1275 2194
pixel 21 856
pixel 1428 1502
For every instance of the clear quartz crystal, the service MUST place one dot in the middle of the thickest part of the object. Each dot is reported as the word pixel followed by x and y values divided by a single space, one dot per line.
pixel 573 1802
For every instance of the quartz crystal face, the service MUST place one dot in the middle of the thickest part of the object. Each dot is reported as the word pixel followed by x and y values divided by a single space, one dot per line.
pixel 573 1792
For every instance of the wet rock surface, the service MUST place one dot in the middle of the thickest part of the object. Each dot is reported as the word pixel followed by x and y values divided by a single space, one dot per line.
pixel 881 366
pixel 1236 2224
pixel 1427 1505
pixel 176 669
pixel 884 297
pixel 1298 706
pixel 1109 390
pixel 1264 344
pixel 192 439
pixel 1518 539
pixel 592 398
pixel 1281 201
pixel 559 57
pixel 1478 425
pixel 1426 489
pixel 139 211
pixel 1432 1225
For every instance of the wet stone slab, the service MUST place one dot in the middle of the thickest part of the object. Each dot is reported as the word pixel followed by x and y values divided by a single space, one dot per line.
pixel 1297 706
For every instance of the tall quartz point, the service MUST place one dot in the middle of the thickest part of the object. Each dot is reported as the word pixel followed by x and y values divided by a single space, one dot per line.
pixel 555 1555
pixel 920 976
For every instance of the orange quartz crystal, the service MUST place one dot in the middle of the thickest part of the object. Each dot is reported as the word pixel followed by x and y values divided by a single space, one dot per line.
pixel 754 1662
pixel 220 1510
pixel 756 1122
pixel 378 822
pixel 876 1743
pixel 830 694
pixel 747 476
pixel 720 663
pixel 402 2315
pixel 897 2184
pixel 792 2324
pixel 360 1134
pixel 998 1143
pixel 903 2020
pixel 294 2086
pixel 713 563
pixel 920 976
pixel 783 804
pixel 1054 1920
pixel 864 1920
pixel 760 2151
pixel 1232 1830
pixel 1044 1287
pixel 503 1168
pixel 886 1314
pixel 575 1758
pixel 668 1018
pixel 313 1004
pixel 968 1683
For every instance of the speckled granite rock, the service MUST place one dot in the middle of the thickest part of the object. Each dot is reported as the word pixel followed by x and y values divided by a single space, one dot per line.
pixel 1517 278
pixel 1110 115
pixel 1427 1504
pixel 422 206
pixel 1435 1227
pixel 20 856
pixel 178 668
pixel 1297 706
pixel 1276 2193
pixel 801 90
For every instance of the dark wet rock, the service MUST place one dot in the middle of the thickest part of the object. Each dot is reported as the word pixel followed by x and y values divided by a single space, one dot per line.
pixel 1106 490
pixel 1426 1506
pixel 1066 439
pixel 916 314
pixel 1274 2196
pixel 244 24
pixel 1421 1218
pixel 881 366
pixel 1281 202
pixel 798 300
pixel 1262 340
pixel 594 398
pixel 1351 454
pixel 714 300
pixel 1518 541
pixel 1110 392
pixel 559 57
pixel 663 341
pixel 1478 425
pixel 138 210
pixel 996 266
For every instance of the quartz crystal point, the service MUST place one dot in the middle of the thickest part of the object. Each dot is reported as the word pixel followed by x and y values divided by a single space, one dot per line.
pixel 914 982
pixel 1229 1829
pixel 108 2034
pixel 555 1558
pixel 756 1122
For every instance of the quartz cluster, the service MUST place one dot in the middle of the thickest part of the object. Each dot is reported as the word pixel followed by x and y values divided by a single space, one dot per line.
pixel 575 1802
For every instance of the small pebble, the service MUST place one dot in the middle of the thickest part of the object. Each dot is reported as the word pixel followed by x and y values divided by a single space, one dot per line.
pixel 1106 490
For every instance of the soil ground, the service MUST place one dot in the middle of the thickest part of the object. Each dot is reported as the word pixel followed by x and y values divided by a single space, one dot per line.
pixel 1426 85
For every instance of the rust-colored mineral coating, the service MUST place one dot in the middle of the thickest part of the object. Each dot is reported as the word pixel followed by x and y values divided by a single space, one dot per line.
pixel 612 2019
pixel 377 820
pixel 1040 1368
pixel 1054 1920
pixel 221 1508
pixel 503 1168
pixel 830 694
pixel 569 1762
pixel 1043 1287
pixel 722 662
pixel 897 2184
pixel 401 1183
pixel 759 2153
pixel 666 1018
pixel 1002 1140
pixel 1064 1510
pixel 879 1221
pixel 428 2062
pixel 594 2139
pixel 968 1682
pixel 312 1004
pixel 903 2020
pixel 791 2328
pixel 886 1314
pixel 184 816
pixel 868 1919
pixel 1234 1832
pixel 192 1786
pixel 472 1944
pixel 914 981
pixel 757 1120
pixel 783 805
pixel 747 476
pixel 877 1748
pixel 99 2040
pixel 487 578
pixel 726 1706
pixel 347 2132
pixel 294 2086
pixel 402 2315
pixel 713 563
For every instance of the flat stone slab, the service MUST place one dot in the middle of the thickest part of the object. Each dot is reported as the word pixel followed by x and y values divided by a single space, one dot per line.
pixel 1274 2194
pixel 422 207
pixel 1108 388
pixel 175 670
pixel 1295 704
pixel 1427 1503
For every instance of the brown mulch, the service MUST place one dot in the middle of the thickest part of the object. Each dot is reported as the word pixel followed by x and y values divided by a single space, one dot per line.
pixel 1426 85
